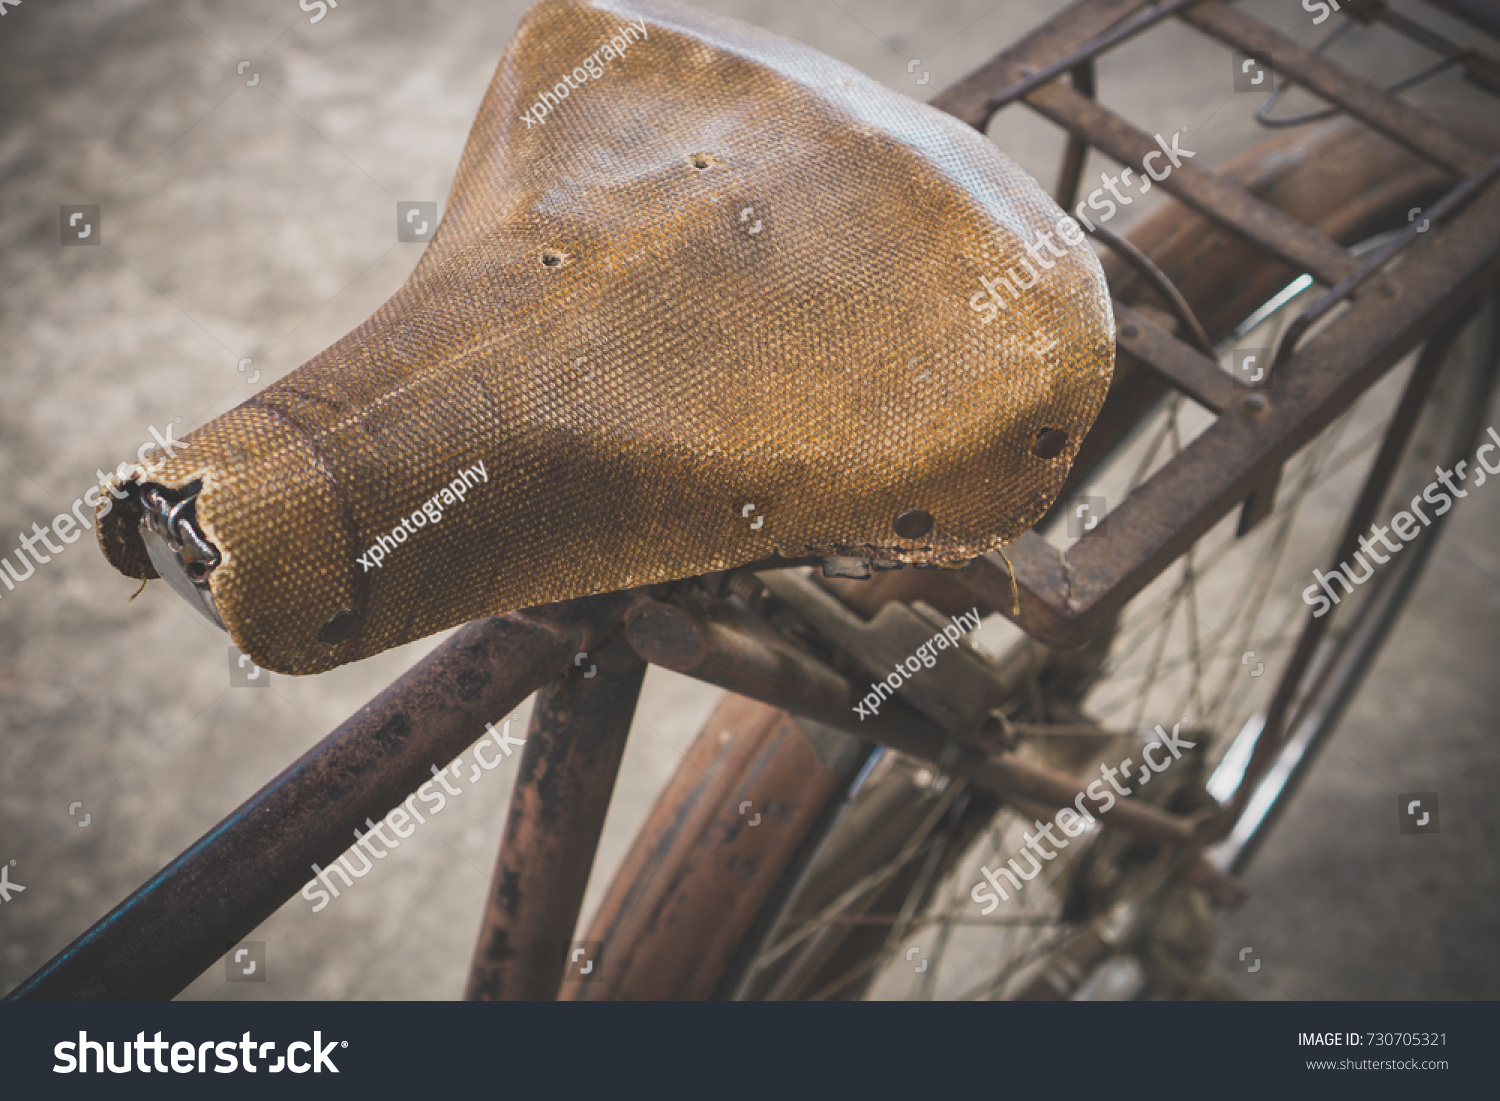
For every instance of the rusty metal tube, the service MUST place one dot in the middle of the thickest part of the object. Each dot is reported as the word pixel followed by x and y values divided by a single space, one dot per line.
pixel 171 929
pixel 567 774
pixel 775 672
pixel 1007 774
pixel 768 669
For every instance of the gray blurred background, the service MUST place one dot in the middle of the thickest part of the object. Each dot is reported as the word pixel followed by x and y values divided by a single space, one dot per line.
pixel 249 211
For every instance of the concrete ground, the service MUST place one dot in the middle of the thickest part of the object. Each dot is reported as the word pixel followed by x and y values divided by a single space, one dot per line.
pixel 246 213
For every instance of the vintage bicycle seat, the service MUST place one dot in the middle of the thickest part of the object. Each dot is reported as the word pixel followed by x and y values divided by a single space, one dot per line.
pixel 700 296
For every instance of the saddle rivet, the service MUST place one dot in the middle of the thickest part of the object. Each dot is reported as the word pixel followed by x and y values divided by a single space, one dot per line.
pixel 340 627
pixel 913 524
pixel 1049 443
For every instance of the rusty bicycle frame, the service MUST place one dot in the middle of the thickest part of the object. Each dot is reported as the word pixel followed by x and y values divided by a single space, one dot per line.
pixel 171 929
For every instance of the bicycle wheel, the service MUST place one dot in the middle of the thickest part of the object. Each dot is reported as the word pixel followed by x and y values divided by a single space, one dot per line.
pixel 862 884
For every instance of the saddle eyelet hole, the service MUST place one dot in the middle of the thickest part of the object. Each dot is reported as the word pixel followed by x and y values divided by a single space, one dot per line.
pixel 913 524
pixel 339 628
pixel 1049 443
pixel 552 258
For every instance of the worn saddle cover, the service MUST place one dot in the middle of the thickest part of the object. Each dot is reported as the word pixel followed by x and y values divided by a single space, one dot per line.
pixel 701 295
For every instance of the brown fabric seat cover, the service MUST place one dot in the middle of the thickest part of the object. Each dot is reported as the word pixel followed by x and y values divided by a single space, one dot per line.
pixel 725 272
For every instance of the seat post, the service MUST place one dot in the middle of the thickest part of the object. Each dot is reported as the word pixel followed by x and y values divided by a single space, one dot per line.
pixel 567 773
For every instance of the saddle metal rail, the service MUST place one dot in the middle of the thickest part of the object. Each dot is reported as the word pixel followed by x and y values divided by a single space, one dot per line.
pixel 175 926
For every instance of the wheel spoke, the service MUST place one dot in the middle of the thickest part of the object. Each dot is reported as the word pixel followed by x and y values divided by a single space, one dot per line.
pixel 1229 588
pixel 867 884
